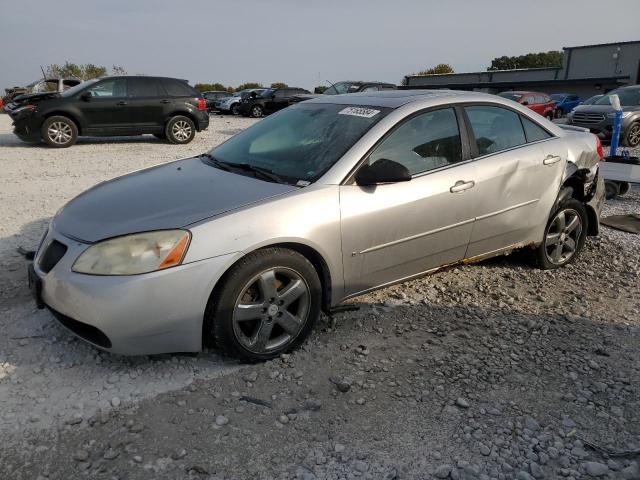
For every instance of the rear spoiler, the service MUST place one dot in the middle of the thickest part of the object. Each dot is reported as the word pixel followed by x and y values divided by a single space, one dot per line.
pixel 573 128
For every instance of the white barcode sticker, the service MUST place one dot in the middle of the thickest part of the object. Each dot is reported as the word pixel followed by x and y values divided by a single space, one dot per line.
pixel 359 112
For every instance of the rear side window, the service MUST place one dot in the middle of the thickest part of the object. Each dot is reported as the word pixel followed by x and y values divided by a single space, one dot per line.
pixel 425 142
pixel 176 88
pixel 145 87
pixel 495 128
pixel 541 99
pixel 533 131
pixel 530 100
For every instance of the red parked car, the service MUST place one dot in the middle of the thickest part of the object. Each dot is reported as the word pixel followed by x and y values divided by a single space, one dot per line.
pixel 538 102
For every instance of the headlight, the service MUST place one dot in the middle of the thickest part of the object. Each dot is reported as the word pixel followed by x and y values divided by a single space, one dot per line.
pixel 613 114
pixel 133 254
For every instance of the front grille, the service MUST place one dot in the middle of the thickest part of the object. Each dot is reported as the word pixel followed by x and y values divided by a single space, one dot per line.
pixel 591 118
pixel 83 330
pixel 52 255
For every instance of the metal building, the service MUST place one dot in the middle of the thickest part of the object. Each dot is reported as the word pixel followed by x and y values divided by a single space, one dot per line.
pixel 586 70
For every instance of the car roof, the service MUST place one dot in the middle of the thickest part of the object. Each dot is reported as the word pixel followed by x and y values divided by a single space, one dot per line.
pixel 397 98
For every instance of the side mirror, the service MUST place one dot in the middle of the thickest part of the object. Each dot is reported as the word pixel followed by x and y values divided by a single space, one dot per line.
pixel 382 171
pixel 86 96
pixel 525 103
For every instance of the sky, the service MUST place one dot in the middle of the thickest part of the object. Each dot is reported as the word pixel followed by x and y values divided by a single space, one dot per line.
pixel 303 43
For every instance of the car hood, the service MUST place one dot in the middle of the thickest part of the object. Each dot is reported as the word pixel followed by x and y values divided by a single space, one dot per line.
pixel 172 195
pixel 33 98
pixel 604 108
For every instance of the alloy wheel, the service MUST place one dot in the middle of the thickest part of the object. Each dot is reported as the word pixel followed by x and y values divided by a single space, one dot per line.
pixel 271 310
pixel 60 133
pixel 634 135
pixel 181 130
pixel 563 235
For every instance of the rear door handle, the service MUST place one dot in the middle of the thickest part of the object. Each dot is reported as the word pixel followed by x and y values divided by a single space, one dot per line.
pixel 121 103
pixel 551 159
pixel 165 101
pixel 461 186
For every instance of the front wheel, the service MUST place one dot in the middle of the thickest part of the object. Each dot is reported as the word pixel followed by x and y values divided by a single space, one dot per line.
pixel 257 111
pixel 564 235
pixel 632 139
pixel 267 305
pixel 59 132
pixel 180 130
pixel 235 109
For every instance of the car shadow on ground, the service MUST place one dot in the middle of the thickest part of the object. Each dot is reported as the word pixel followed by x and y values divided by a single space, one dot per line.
pixel 10 140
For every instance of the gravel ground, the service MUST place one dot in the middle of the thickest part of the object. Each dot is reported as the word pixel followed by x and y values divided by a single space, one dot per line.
pixel 491 371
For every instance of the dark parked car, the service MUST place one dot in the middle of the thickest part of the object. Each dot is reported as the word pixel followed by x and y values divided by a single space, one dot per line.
pixel 538 102
pixel 347 87
pixel 598 117
pixel 214 96
pixel 565 102
pixel 231 104
pixel 269 101
pixel 165 107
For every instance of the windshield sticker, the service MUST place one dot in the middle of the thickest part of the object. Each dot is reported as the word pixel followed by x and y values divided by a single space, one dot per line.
pixel 359 112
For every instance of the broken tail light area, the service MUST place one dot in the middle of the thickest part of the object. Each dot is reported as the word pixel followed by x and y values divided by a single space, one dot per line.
pixel 599 149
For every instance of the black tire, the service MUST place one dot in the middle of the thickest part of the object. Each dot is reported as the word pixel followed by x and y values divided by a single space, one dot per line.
pixel 160 136
pixel 180 130
pixel 624 188
pixel 256 111
pixel 59 132
pixel 611 189
pixel 632 137
pixel 244 283
pixel 549 116
pixel 558 113
pixel 235 109
pixel 546 254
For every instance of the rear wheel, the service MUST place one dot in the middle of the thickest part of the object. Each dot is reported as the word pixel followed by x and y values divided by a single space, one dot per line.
pixel 611 189
pixel 59 132
pixel 564 236
pixel 180 129
pixel 267 305
pixel 549 116
pixel 235 109
pixel 624 188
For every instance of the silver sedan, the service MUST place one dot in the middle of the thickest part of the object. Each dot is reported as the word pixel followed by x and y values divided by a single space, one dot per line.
pixel 245 245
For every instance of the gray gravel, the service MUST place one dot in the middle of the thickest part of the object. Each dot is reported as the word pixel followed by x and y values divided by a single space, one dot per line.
pixel 491 371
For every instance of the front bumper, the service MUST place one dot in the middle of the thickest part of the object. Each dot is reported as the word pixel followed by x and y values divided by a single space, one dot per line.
pixel 603 129
pixel 158 312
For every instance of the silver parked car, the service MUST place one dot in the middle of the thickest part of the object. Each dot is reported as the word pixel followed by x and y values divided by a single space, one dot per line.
pixel 244 246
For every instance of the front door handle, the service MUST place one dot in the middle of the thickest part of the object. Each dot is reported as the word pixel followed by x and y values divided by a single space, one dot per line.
pixel 165 101
pixel 551 159
pixel 461 186
pixel 121 103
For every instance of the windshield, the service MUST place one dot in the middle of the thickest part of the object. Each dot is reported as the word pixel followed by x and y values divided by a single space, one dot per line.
pixel 629 97
pixel 592 100
pixel 557 97
pixel 78 88
pixel 342 87
pixel 511 95
pixel 300 142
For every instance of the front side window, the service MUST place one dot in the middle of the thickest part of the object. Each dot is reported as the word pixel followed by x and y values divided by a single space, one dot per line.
pixel 495 128
pixel 541 99
pixel 425 142
pixel 300 142
pixel 530 100
pixel 116 87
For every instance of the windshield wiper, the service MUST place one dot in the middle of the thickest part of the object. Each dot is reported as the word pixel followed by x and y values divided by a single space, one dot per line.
pixel 261 172
pixel 215 162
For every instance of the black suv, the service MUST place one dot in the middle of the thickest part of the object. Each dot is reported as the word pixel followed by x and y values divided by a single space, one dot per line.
pixel 165 107
pixel 269 101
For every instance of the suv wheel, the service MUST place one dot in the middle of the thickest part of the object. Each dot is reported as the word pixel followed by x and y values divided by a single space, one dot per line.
pixel 257 111
pixel 180 129
pixel 235 109
pixel 564 236
pixel 632 138
pixel 267 305
pixel 59 132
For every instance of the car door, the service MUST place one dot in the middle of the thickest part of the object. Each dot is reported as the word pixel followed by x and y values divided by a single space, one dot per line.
pixel 397 230
pixel 147 101
pixel 104 107
pixel 519 167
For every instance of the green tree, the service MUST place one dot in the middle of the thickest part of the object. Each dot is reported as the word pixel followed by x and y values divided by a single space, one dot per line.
pixel 437 70
pixel 205 87
pixel 248 85
pixel 279 85
pixel 548 59
pixel 84 72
